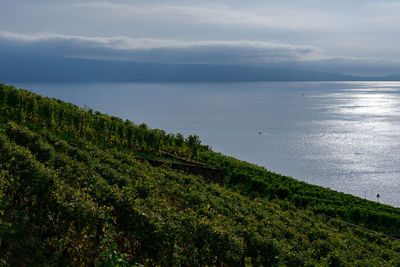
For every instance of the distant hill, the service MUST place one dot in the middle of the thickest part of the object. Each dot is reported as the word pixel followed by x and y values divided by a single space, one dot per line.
pixel 395 77
pixel 41 68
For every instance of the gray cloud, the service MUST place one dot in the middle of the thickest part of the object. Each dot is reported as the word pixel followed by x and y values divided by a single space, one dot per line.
pixel 352 28
pixel 155 50
pixel 248 53
pixel 348 36
pixel 220 14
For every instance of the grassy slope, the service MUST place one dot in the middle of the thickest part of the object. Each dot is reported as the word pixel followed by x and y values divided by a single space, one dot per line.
pixel 91 201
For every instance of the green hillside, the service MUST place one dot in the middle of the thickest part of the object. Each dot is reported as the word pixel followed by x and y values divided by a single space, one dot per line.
pixel 82 188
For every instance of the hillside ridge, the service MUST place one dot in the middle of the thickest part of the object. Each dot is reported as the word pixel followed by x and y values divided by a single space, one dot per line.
pixel 73 192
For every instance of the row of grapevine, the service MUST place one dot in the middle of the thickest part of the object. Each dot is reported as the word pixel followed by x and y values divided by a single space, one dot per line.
pixel 253 181
pixel 27 107
pixel 85 205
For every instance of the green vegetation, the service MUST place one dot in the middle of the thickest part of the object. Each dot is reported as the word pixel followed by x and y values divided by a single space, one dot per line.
pixel 255 181
pixel 72 193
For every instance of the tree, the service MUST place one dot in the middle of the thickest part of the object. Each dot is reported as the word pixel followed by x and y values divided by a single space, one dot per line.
pixel 179 140
pixel 193 142
pixel 129 134
pixel 3 95
pixel 32 108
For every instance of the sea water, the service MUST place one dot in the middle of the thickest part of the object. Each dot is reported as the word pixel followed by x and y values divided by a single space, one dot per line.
pixel 341 135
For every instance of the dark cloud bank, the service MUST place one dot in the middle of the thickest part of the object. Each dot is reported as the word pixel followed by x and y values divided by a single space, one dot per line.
pixel 51 58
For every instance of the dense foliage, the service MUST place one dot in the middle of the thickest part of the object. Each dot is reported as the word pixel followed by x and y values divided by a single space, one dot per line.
pixel 73 193
pixel 254 181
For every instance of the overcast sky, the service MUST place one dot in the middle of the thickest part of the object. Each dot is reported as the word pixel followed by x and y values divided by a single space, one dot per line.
pixel 221 32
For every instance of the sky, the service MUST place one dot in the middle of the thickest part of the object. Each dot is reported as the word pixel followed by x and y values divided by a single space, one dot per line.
pixel 358 37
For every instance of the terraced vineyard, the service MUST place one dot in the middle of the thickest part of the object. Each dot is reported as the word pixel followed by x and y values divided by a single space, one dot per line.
pixel 77 190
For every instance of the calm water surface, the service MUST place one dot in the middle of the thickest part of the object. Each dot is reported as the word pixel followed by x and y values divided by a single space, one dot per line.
pixel 342 135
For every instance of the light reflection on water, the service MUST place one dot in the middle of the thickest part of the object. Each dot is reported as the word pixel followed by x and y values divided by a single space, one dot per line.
pixel 340 135
pixel 360 138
